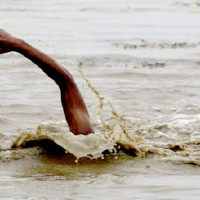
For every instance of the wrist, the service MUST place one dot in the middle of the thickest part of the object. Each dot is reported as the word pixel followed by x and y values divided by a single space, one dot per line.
pixel 18 44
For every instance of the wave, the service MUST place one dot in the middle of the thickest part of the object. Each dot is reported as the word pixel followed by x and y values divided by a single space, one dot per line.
pixel 176 140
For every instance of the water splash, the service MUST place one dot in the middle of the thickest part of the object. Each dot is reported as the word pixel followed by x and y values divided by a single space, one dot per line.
pixel 170 141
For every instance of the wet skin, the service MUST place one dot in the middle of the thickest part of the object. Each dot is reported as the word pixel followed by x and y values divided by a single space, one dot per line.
pixel 74 107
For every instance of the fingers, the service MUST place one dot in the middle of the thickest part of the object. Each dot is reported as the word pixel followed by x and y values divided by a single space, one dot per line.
pixel 7 42
pixel 4 33
pixel 2 30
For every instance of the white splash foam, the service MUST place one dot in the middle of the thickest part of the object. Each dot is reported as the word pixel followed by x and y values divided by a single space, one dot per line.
pixel 92 145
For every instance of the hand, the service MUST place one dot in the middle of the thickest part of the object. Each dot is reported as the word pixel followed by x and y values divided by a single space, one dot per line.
pixel 7 42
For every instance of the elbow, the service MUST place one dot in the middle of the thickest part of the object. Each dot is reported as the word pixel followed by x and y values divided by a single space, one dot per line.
pixel 64 78
pixel 66 82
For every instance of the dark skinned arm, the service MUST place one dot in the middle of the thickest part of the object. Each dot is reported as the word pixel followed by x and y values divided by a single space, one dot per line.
pixel 73 104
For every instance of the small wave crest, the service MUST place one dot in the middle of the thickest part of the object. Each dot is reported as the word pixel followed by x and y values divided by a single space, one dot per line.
pixel 177 140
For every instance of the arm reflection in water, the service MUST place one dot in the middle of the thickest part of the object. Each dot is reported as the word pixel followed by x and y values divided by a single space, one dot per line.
pixel 74 107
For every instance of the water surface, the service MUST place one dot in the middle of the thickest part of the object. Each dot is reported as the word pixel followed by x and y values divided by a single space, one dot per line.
pixel 143 58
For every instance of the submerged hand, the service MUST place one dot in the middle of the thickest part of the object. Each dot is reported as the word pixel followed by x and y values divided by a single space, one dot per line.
pixel 7 42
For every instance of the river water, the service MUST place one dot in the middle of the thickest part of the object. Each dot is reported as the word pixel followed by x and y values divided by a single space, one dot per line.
pixel 136 63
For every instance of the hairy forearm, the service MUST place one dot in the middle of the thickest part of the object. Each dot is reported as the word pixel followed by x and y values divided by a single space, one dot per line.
pixel 47 64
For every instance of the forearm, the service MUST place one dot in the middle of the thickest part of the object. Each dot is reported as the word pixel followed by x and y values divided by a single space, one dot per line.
pixel 73 104
pixel 47 64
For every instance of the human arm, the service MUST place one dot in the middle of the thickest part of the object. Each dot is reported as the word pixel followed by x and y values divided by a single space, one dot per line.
pixel 73 104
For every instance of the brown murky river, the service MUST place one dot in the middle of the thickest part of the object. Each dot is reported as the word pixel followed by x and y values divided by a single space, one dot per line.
pixel 137 64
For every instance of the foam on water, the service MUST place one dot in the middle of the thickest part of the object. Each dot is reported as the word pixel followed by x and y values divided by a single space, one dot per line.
pixel 106 137
pixel 176 140
pixel 91 145
pixel 170 141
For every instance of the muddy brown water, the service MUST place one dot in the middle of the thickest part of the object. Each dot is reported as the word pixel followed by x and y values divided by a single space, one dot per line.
pixel 142 57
